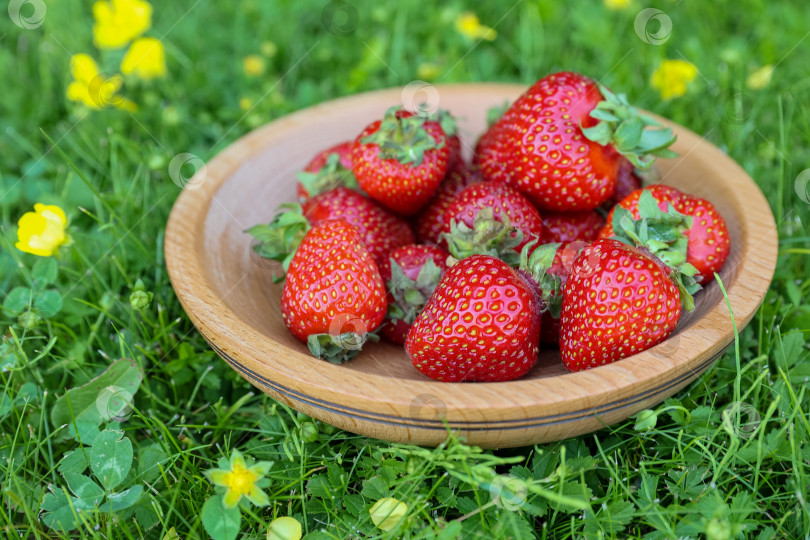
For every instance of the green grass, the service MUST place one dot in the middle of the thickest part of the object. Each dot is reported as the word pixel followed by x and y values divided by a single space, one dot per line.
pixel 690 474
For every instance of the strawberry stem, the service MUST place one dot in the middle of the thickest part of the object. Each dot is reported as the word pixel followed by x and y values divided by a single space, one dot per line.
pixel 537 265
pixel 663 235
pixel 623 127
pixel 402 137
pixel 411 296
pixel 487 236
pixel 338 348
pixel 280 239
pixel 330 176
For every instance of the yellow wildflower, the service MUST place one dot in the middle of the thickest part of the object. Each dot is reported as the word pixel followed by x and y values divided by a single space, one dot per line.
pixel 760 78
pixel 672 77
pixel 86 75
pixel 240 480
pixel 146 59
pixel 245 103
pixel 468 24
pixel 387 512
pixel 92 89
pixel 120 21
pixel 284 528
pixel 83 67
pixel 253 65
pixel 617 4
pixel 42 231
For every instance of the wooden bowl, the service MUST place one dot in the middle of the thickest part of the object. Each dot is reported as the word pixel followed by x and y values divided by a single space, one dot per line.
pixel 228 293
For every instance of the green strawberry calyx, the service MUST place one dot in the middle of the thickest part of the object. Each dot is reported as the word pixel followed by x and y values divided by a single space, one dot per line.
pixel 623 127
pixel 537 265
pixel 487 236
pixel 338 348
pixel 662 235
pixel 411 296
pixel 280 239
pixel 328 177
pixel 403 138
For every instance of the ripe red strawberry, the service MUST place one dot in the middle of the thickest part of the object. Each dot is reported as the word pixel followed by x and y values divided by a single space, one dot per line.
pixel 429 222
pixel 709 243
pixel 481 324
pixel 569 226
pixel 380 230
pixel 411 274
pixel 663 234
pixel 333 295
pixel 561 143
pixel 325 172
pixel 617 302
pixel 490 218
pixel 661 193
pixel 400 160
pixel 707 235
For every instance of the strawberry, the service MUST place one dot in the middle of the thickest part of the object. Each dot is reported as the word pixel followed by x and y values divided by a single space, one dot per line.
pixel 333 295
pixel 429 222
pixel 661 193
pixel 709 243
pixel 329 169
pixel 482 323
pixel 569 226
pixel 561 143
pixel 617 301
pixel 707 235
pixel 411 274
pixel 400 160
pixel 380 230
pixel 490 218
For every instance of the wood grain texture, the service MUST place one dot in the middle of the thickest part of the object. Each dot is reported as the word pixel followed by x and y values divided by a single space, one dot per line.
pixel 228 293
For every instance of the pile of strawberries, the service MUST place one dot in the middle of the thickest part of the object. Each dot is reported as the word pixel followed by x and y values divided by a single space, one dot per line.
pixel 546 238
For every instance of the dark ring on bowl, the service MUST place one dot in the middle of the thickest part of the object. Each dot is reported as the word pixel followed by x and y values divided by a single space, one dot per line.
pixel 418 423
